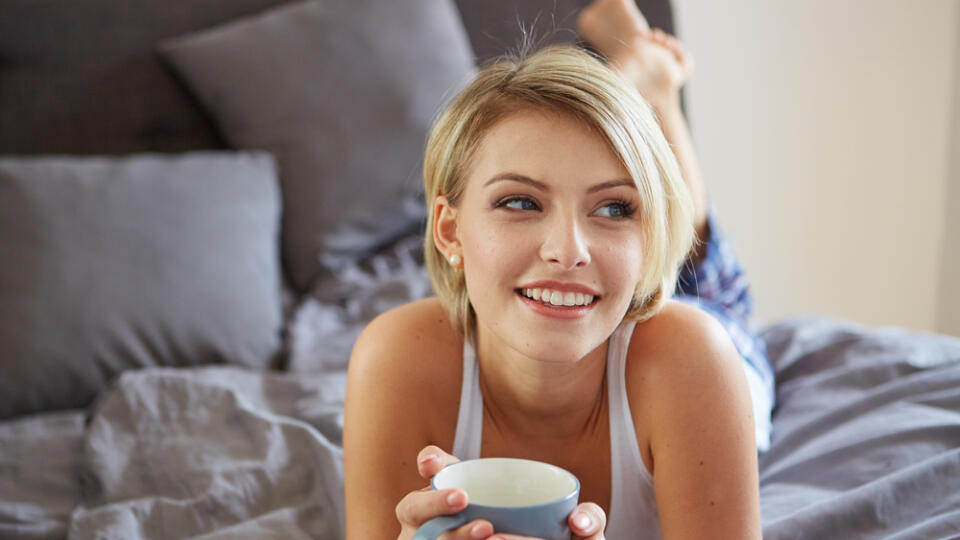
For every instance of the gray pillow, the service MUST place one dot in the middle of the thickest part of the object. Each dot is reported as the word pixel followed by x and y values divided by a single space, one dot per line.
pixel 342 92
pixel 110 264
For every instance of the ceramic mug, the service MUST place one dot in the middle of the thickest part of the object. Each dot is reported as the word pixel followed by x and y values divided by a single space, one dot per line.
pixel 518 496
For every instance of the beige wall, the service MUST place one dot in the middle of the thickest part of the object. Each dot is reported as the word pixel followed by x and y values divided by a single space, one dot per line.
pixel 948 312
pixel 824 132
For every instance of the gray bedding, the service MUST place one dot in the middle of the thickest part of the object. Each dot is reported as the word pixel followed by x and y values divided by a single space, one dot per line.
pixel 866 435
pixel 866 444
pixel 218 452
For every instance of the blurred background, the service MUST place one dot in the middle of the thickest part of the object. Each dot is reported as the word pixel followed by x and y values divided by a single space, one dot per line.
pixel 829 137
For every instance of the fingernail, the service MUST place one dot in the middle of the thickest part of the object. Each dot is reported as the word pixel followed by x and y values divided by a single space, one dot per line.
pixel 427 458
pixel 582 520
pixel 480 531
pixel 455 499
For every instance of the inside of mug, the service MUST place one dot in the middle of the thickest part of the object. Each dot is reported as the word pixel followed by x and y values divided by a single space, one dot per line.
pixel 507 481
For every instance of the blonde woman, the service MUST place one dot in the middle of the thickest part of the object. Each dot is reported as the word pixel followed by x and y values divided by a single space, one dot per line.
pixel 559 220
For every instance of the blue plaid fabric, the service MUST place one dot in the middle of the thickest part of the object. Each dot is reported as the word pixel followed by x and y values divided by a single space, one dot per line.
pixel 718 285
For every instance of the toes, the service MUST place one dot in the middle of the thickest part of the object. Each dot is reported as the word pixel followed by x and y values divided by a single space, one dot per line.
pixel 670 42
pixel 675 44
pixel 657 37
pixel 664 37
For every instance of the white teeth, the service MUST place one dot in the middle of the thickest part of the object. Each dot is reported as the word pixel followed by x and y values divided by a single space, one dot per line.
pixel 558 298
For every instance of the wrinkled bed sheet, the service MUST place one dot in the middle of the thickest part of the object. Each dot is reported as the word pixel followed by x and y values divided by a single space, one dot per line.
pixel 866 444
pixel 866 433
pixel 216 452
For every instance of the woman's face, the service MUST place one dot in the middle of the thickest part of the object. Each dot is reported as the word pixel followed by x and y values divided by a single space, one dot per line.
pixel 548 206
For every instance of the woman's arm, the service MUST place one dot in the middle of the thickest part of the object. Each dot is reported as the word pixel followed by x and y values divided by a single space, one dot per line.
pixel 380 437
pixel 399 390
pixel 702 433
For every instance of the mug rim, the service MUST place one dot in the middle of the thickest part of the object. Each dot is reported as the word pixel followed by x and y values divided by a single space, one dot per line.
pixel 573 493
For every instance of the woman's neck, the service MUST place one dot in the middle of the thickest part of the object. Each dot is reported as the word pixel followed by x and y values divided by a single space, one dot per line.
pixel 551 402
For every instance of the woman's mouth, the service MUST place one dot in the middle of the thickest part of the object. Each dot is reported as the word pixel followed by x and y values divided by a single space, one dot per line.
pixel 557 304
pixel 557 299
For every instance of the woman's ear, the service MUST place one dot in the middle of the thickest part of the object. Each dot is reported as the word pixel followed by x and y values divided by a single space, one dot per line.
pixel 446 233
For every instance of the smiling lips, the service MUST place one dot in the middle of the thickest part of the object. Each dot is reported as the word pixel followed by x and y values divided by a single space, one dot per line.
pixel 557 298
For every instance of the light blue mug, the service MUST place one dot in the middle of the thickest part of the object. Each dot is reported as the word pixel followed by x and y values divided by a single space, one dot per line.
pixel 518 496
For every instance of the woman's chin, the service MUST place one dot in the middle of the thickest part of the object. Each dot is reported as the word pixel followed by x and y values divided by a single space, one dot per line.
pixel 560 352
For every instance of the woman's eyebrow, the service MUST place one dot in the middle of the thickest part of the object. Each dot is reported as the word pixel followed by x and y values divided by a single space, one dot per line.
pixel 612 184
pixel 544 187
pixel 517 178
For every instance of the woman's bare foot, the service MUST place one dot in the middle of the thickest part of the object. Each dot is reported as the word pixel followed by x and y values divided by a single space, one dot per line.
pixel 610 24
pixel 653 60
pixel 657 64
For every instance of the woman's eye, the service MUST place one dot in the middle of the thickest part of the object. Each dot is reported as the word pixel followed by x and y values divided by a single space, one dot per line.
pixel 518 203
pixel 616 210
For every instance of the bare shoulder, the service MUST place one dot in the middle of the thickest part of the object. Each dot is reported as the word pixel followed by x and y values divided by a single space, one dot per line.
pixel 413 351
pixel 422 325
pixel 678 361
pixel 403 388
pixel 677 338
pixel 690 399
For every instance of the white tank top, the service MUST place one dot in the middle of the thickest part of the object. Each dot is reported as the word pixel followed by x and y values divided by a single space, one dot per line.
pixel 633 507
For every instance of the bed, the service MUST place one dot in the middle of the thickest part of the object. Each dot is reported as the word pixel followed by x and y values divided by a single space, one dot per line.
pixel 190 242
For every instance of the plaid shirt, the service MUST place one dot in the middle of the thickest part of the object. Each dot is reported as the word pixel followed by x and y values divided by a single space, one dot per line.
pixel 718 285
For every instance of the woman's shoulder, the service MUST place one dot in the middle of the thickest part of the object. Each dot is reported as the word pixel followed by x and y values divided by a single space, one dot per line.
pixel 422 326
pixel 677 330
pixel 408 337
pixel 694 405
pixel 675 361
pixel 679 346
pixel 413 353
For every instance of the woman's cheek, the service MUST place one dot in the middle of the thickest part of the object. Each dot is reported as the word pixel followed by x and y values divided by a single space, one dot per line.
pixel 500 242
pixel 624 262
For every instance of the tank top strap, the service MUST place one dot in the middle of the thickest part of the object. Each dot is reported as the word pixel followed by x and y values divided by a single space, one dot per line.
pixel 632 503
pixel 466 441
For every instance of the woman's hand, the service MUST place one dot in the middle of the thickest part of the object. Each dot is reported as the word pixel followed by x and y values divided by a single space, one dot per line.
pixel 587 520
pixel 420 506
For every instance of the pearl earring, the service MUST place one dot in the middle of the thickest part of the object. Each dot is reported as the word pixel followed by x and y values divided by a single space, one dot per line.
pixel 455 260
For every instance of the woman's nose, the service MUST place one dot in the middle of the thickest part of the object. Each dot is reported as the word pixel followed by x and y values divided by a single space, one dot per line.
pixel 565 244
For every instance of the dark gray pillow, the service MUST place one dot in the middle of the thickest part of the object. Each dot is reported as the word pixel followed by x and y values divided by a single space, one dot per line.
pixel 342 92
pixel 110 264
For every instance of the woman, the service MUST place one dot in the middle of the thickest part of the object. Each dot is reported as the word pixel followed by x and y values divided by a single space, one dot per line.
pixel 558 223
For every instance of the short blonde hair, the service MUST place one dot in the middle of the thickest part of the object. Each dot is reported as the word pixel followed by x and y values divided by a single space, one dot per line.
pixel 565 80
